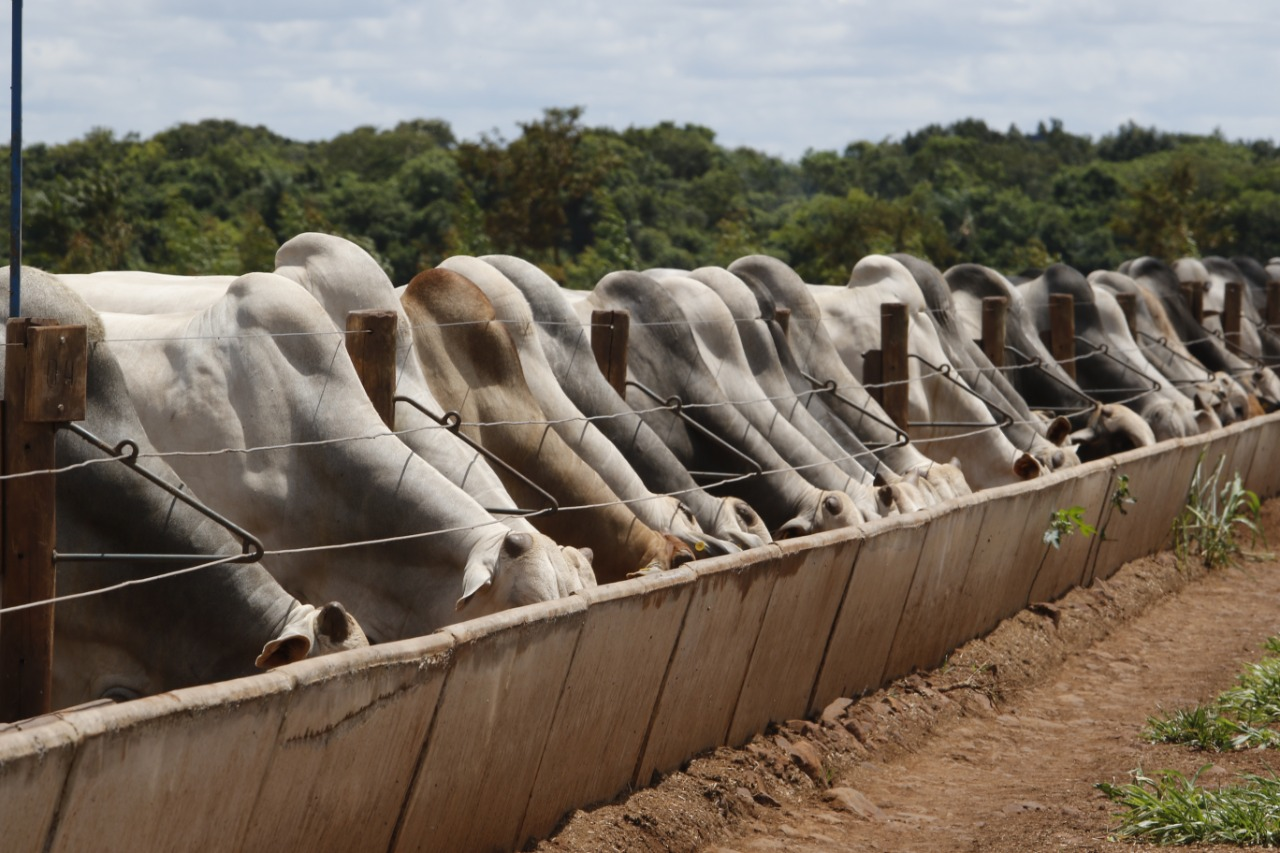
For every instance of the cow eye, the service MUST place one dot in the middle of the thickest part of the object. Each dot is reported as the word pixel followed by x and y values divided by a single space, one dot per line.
pixel 745 513
pixel 832 504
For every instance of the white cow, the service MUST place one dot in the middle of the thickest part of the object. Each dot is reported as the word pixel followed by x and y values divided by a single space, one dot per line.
pixel 567 346
pixel 852 317
pixel 816 355
pixel 264 367
pixel 660 512
pixel 664 356
pixel 715 330
pixel 208 625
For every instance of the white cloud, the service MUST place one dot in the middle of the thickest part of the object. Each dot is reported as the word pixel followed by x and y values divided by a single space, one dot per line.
pixel 780 77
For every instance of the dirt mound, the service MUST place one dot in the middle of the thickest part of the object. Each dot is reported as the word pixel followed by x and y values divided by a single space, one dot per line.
pixel 997 750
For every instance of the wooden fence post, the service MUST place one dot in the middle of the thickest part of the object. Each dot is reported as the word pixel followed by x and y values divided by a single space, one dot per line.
pixel 1194 292
pixel 1129 305
pixel 995 310
pixel 1232 306
pixel 45 384
pixel 371 343
pixel 783 316
pixel 609 333
pixel 893 361
pixel 1062 331
pixel 1273 306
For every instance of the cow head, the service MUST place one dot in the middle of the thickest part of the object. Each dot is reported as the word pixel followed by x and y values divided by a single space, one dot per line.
pixel 509 569
pixel 1115 429
pixel 312 631
pixel 821 511
pixel 736 522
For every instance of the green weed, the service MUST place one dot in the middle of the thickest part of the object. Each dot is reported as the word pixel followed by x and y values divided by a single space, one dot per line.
pixel 1214 517
pixel 1174 810
pixel 1064 522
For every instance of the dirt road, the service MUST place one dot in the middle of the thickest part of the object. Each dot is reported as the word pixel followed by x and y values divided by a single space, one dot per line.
pixel 997 751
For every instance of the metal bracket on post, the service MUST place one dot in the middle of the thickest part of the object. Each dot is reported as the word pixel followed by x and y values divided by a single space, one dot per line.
pixel 945 372
pixel 1105 352
pixel 44 387
pixel 676 406
pixel 829 386
pixel 1033 363
pixel 452 421
pixel 1163 343
pixel 126 451
pixel 610 331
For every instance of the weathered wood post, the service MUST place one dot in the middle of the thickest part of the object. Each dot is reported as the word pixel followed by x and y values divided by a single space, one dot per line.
pixel 1232 306
pixel 995 310
pixel 783 316
pixel 1129 305
pixel 893 361
pixel 371 343
pixel 1194 292
pixel 45 384
pixel 1273 305
pixel 609 333
pixel 1062 331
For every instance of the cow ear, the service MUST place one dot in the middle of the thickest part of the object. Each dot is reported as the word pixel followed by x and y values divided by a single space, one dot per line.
pixel 477 575
pixel 1026 467
pixel 1059 430
pixel 289 648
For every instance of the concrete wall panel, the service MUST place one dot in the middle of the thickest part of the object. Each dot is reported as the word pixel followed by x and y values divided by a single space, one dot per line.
pixel 1264 472
pixel 1155 474
pixel 1066 566
pixel 346 752
pixel 931 612
pixel 811 578
pixel 994 584
pixel 35 757
pixel 1246 449
pixel 703 682
pixel 885 565
pixel 177 771
pixel 609 696
pixel 491 724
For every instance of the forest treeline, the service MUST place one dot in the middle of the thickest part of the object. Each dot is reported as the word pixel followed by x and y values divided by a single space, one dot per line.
pixel 219 197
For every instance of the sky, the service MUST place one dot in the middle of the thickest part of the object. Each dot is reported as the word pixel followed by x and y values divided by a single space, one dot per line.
pixel 778 77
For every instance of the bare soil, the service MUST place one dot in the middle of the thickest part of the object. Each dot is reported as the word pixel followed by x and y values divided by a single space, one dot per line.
pixel 999 750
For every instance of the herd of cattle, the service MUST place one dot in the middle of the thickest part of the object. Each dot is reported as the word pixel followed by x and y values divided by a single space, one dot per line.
pixel 735 429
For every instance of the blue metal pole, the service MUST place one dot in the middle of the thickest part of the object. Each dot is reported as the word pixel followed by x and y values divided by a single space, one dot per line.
pixel 15 166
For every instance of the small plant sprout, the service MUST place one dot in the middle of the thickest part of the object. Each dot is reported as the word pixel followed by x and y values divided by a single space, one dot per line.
pixel 1213 518
pixel 1122 497
pixel 1064 522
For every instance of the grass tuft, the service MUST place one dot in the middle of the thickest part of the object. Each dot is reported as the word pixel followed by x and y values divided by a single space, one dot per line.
pixel 1214 517
pixel 1174 810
